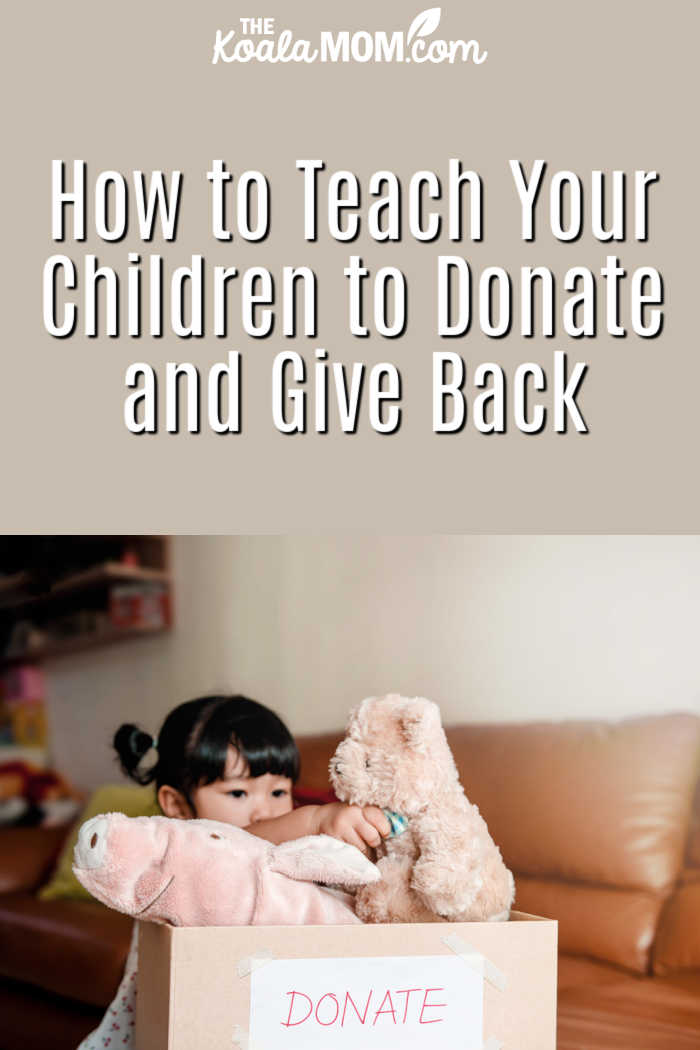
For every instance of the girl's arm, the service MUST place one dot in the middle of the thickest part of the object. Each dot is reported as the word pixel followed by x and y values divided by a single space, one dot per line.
pixel 360 826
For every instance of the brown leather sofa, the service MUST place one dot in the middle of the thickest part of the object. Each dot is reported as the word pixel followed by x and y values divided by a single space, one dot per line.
pixel 597 821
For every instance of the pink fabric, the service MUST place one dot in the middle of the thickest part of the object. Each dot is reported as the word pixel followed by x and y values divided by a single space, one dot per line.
pixel 202 873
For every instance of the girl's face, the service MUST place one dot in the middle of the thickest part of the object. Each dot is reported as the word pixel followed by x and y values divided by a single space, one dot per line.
pixel 240 799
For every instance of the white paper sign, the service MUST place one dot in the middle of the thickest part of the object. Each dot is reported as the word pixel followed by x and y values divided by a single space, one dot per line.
pixel 432 1002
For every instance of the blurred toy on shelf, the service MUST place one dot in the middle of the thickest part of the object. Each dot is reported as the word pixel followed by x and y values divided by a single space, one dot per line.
pixel 139 606
pixel 33 796
pixel 22 711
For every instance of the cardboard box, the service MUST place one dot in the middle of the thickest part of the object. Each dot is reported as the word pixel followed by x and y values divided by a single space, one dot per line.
pixel 476 986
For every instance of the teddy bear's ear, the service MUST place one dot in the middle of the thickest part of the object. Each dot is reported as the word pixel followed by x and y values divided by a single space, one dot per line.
pixel 358 715
pixel 419 719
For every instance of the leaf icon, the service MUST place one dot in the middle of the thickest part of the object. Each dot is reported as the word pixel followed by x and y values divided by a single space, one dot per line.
pixel 424 24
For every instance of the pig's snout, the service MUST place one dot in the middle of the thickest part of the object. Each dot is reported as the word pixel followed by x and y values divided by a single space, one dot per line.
pixel 91 847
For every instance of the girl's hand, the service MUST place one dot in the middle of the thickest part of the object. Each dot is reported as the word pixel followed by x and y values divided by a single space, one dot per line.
pixel 359 826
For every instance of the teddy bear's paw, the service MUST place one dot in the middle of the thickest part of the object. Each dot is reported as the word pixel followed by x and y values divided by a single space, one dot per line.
pixel 502 916
pixel 372 903
pixel 477 896
pixel 444 891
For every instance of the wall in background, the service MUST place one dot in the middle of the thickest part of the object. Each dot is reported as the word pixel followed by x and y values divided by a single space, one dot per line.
pixel 498 628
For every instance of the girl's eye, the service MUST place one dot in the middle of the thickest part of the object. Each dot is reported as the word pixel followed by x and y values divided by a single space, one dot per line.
pixel 238 793
pixel 279 793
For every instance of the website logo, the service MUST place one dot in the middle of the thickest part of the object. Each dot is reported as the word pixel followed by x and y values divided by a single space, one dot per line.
pixel 258 40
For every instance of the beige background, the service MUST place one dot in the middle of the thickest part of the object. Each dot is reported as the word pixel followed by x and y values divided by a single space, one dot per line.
pixel 494 628
pixel 605 85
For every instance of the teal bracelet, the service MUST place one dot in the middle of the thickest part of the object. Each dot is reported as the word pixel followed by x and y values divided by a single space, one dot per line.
pixel 397 823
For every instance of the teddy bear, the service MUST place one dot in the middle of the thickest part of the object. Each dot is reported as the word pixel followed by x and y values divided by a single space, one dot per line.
pixel 444 865
pixel 204 873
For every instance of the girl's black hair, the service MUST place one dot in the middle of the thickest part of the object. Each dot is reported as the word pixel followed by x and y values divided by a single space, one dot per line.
pixel 193 743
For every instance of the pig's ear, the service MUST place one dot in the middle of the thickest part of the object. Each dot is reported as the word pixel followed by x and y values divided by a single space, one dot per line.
pixel 320 858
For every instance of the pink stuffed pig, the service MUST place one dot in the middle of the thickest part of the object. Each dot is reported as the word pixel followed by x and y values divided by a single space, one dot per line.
pixel 203 873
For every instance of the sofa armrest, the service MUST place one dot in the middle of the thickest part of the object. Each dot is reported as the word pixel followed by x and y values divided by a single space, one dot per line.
pixel 27 856
pixel 677 944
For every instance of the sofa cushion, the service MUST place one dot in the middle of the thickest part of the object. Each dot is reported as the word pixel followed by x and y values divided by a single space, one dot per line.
pixel 693 849
pixel 315 752
pixel 72 948
pixel 619 815
pixel 677 945
pixel 576 972
pixel 596 802
pixel 27 855
pixel 601 851
pixel 616 926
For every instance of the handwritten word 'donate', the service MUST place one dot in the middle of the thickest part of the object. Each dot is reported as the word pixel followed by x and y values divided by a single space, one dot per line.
pixel 399 1007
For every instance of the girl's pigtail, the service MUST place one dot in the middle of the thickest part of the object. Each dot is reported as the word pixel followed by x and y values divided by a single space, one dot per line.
pixel 131 745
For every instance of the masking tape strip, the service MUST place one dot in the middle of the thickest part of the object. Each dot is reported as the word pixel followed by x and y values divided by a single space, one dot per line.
pixel 241 1038
pixel 477 961
pixel 248 963
pixel 492 1043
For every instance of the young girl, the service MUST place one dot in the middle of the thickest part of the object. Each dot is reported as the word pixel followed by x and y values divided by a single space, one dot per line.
pixel 230 759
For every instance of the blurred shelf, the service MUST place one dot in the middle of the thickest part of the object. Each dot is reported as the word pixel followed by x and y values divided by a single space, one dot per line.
pixel 58 595
pixel 16 582
pixel 97 576
pixel 110 572
pixel 80 643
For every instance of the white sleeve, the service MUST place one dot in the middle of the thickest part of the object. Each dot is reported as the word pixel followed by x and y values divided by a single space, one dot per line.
pixel 116 1029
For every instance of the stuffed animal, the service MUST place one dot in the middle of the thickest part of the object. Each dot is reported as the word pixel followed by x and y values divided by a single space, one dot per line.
pixel 203 873
pixel 444 864
pixel 32 796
